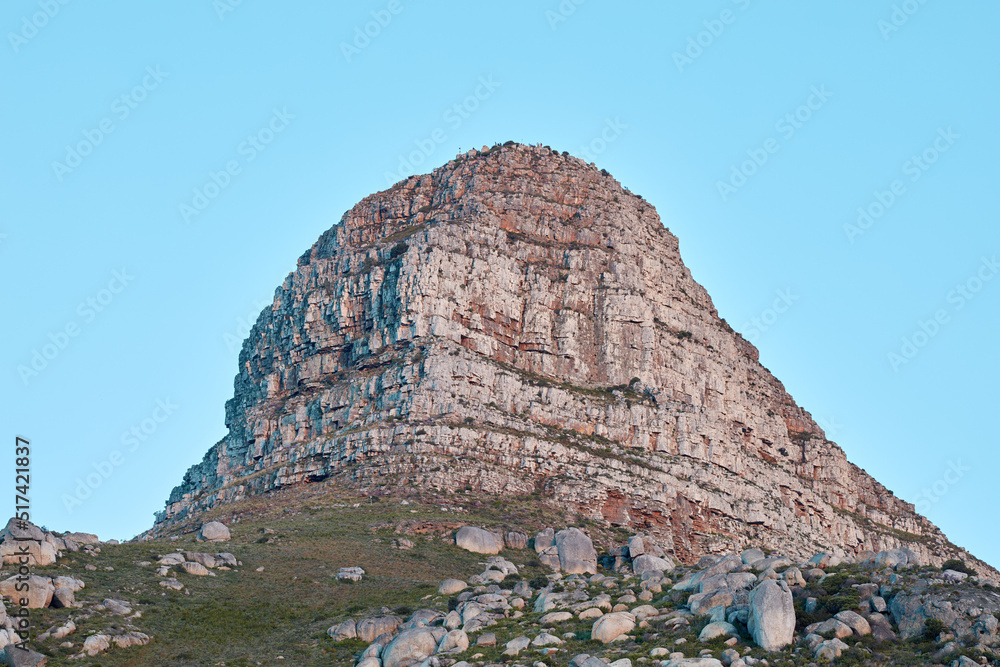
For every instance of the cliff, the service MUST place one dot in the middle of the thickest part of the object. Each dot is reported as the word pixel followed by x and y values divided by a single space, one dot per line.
pixel 518 323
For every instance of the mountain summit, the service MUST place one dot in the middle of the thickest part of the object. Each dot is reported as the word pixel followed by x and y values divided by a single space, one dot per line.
pixel 517 323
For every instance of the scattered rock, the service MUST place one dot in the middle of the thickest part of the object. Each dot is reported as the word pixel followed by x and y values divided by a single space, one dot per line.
pixel 612 626
pixel 350 574
pixel 452 586
pixel 477 540
pixel 213 531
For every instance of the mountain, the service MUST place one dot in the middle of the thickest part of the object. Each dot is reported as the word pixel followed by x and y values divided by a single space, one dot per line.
pixel 517 323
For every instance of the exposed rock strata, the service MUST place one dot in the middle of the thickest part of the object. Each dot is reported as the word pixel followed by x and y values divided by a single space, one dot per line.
pixel 517 322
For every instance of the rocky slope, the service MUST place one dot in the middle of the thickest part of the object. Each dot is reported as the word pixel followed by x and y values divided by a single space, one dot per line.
pixel 733 610
pixel 518 323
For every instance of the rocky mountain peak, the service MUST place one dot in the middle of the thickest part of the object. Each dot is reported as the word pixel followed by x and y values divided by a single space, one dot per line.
pixel 517 323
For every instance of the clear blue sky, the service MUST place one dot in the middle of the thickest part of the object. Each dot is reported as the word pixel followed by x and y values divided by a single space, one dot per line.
pixel 198 151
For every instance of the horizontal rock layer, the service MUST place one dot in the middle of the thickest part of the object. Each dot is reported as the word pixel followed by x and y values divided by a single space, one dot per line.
pixel 518 323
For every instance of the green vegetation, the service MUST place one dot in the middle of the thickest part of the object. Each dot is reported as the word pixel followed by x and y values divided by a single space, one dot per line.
pixel 958 566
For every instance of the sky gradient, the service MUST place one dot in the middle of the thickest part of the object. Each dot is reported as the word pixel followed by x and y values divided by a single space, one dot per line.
pixel 830 171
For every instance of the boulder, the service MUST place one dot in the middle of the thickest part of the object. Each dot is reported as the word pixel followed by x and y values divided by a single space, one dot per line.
pixel 81 538
pixel 172 584
pixel 95 644
pixel 514 540
pixel 771 619
pixel 881 628
pixel 516 645
pixel 702 602
pixel 452 586
pixel 22 657
pixel 772 563
pixel 370 628
pixel 830 649
pixel 647 563
pixel 213 531
pixel 612 626
pixel 38 595
pixel 172 559
pixel 208 560
pixel 196 569
pixel 20 529
pixel 477 540
pixel 544 540
pixel 576 552
pixel 117 607
pixel 40 553
pixel 411 645
pixel 635 546
pixel 831 625
pixel 350 574
pixel 68 582
pixel 62 597
pixel 733 582
pixel 501 564
pixel 346 630
pixel 855 621
pixel 820 560
pixel 455 641
pixel 545 639
pixel 718 629
pixel 645 611
pixel 751 556
pixel 555 617
pixel 794 577
pixel 128 639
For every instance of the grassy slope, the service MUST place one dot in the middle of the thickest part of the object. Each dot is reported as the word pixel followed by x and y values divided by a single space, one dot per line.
pixel 246 617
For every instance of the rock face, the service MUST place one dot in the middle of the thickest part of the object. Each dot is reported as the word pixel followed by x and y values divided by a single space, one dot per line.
pixel 517 322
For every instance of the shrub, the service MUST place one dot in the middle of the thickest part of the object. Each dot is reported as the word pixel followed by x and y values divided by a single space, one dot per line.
pixel 846 599
pixel 932 628
pixel 398 250
pixel 539 582
pixel 958 566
